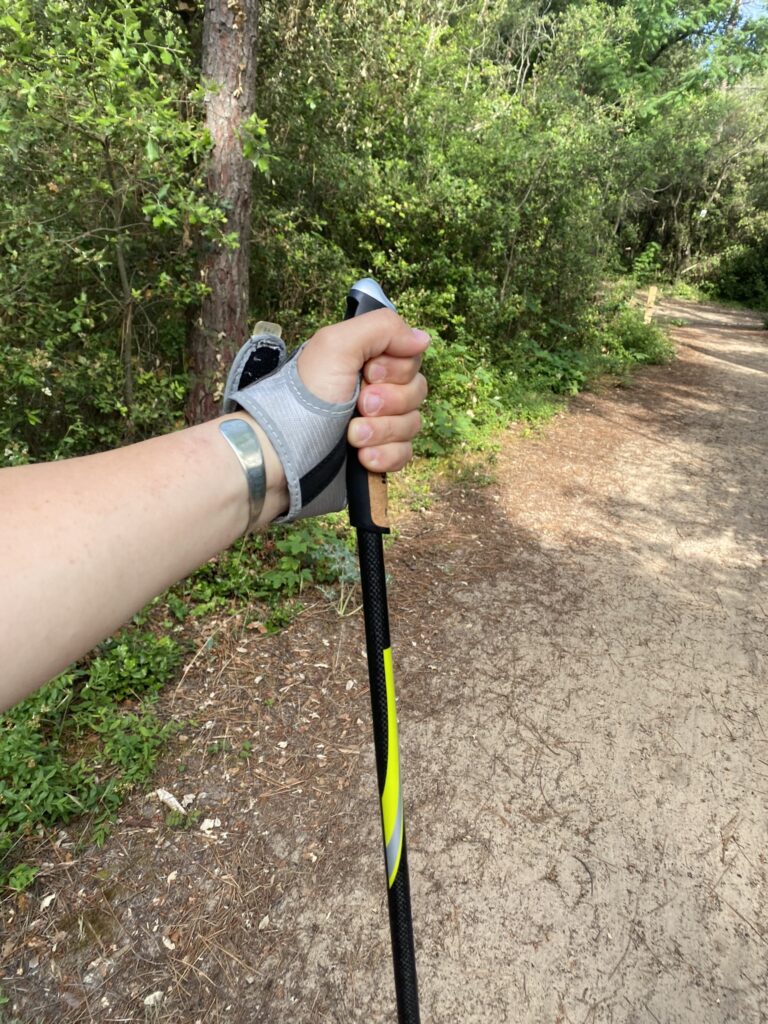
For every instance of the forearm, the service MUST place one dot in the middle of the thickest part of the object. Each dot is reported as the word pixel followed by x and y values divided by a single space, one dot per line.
pixel 87 542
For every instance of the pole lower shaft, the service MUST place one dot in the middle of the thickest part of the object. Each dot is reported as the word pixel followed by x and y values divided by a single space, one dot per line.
pixel 403 950
pixel 373 577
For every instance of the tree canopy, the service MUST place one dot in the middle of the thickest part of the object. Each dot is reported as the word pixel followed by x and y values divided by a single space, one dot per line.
pixel 495 162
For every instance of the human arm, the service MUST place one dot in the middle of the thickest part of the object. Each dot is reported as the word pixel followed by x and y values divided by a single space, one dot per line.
pixel 87 542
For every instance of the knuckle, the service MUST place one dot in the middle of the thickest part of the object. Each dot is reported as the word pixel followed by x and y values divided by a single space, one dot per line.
pixel 394 430
pixel 393 318
pixel 322 336
pixel 389 319
pixel 406 455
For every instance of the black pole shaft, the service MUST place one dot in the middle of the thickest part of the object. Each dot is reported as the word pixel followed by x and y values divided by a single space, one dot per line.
pixel 372 574
pixel 364 297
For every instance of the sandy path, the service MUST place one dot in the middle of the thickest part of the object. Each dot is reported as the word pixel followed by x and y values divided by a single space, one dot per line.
pixel 582 663
pixel 586 755
pixel 618 789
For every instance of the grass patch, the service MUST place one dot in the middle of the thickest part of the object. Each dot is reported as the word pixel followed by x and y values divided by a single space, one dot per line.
pixel 77 745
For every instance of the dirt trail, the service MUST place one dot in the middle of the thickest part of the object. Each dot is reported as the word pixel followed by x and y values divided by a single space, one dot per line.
pixel 605 766
pixel 582 663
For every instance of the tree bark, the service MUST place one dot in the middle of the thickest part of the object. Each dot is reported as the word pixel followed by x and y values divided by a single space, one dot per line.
pixel 229 71
pixel 126 328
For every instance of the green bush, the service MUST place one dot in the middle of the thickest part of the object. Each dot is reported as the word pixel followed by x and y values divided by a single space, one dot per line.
pixel 266 567
pixel 742 274
pixel 561 371
pixel 701 291
pixel 75 746
pixel 626 340
pixel 648 266
pixel 465 397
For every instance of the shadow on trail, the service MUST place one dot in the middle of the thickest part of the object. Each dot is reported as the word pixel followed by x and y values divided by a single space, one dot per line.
pixel 745 358
pixel 714 419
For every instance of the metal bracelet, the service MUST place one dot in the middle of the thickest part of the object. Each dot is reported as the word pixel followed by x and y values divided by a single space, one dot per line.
pixel 243 441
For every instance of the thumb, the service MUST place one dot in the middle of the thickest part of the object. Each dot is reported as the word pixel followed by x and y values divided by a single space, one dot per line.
pixel 331 362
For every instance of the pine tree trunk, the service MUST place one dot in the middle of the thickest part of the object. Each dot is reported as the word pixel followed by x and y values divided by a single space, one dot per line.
pixel 229 69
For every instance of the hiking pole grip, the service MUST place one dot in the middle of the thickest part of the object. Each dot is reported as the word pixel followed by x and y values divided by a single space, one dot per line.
pixel 364 494
pixel 366 491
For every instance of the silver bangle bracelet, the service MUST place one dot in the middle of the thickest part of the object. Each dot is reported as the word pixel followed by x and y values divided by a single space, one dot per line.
pixel 243 441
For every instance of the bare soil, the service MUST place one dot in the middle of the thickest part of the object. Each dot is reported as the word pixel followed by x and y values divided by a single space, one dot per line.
pixel 582 663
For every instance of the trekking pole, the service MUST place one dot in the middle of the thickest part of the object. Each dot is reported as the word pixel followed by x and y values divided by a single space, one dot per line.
pixel 367 497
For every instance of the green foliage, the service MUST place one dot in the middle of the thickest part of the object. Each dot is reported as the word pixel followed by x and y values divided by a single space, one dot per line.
pixel 21 877
pixel 742 272
pixel 77 744
pixel 183 820
pixel 494 166
pixel 267 568
pixel 465 397
pixel 492 163
pixel 563 371
pixel 103 192
pixel 647 266
pixel 626 340
pixel 682 289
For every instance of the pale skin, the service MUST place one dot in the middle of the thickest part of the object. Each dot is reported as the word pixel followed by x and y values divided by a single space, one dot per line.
pixel 87 542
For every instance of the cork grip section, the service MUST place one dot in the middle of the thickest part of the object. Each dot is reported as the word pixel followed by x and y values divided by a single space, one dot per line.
pixel 377 494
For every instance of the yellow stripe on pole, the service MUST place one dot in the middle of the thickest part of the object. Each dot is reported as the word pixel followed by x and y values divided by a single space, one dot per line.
pixel 392 797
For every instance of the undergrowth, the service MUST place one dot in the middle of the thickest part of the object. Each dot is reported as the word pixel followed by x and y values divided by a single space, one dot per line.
pixel 78 745
pixel 474 393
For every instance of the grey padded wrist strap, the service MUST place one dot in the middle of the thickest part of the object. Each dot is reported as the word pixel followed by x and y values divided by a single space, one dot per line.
pixel 307 433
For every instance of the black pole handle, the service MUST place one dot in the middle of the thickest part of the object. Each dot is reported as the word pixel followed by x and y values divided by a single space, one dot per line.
pixel 366 491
